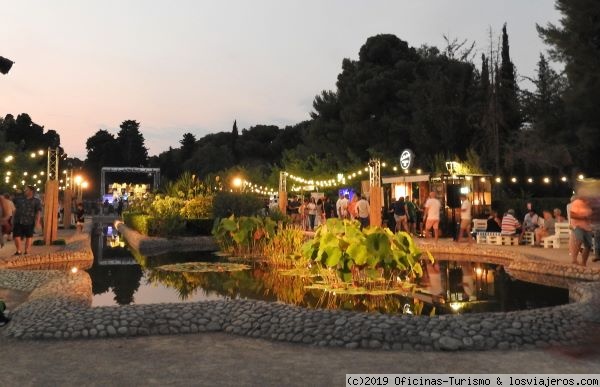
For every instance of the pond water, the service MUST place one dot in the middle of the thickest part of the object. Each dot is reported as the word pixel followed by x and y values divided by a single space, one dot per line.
pixel 449 286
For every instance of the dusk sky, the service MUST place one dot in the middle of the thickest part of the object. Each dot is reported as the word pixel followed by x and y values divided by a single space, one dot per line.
pixel 194 66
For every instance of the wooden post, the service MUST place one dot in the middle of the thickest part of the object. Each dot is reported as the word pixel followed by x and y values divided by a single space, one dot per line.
pixel 51 212
pixel 67 198
pixel 283 202
pixel 375 206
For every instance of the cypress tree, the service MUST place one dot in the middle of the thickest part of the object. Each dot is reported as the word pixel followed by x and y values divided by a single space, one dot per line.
pixel 507 92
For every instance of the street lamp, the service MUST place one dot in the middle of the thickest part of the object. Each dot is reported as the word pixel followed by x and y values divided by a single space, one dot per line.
pixel 5 65
pixel 237 182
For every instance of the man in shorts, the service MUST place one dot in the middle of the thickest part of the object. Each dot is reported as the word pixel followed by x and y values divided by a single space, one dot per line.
pixel 581 226
pixel 28 211
pixel 432 216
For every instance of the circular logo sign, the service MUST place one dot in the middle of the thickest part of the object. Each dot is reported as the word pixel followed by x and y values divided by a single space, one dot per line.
pixel 406 159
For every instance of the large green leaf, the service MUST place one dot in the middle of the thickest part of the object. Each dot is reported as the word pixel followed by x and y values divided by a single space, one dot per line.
pixel 333 256
pixel 358 253
pixel 378 245
pixel 229 224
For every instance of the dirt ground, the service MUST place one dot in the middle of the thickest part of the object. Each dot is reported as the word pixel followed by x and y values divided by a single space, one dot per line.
pixel 226 360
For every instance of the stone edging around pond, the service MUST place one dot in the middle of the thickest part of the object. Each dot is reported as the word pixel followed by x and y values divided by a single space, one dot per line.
pixel 59 308
pixel 78 250
pixel 155 246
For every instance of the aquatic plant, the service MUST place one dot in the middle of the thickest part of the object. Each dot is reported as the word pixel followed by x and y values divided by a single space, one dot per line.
pixel 363 257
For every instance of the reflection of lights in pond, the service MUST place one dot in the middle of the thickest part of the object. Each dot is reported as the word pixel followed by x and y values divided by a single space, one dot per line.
pixel 456 306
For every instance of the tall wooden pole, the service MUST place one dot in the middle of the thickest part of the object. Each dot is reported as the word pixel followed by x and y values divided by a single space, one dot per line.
pixel 51 198
pixel 51 212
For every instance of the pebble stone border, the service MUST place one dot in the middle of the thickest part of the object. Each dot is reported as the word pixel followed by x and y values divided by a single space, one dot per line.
pixel 59 308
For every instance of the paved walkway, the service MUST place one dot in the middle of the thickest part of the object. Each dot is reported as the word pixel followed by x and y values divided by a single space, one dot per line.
pixel 220 359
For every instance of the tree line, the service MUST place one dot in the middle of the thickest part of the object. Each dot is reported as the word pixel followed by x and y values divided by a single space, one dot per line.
pixel 437 102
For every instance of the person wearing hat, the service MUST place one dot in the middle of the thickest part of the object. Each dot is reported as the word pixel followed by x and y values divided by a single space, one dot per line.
pixel 27 216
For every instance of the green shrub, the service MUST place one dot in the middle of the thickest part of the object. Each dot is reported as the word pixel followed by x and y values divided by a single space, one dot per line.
pixel 197 207
pixel 226 204
pixel 244 235
pixel 138 222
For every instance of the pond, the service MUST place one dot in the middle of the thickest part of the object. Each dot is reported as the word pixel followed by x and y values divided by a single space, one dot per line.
pixel 449 286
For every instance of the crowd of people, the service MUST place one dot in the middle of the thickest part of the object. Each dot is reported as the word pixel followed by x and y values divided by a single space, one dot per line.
pixel 21 216
pixel 407 215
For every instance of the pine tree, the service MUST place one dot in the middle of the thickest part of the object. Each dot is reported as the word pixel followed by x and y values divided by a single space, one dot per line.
pixel 576 42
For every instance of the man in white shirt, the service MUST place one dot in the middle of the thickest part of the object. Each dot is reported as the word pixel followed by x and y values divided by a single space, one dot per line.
pixel 338 206
pixel 465 219
pixel 432 216
pixel 363 210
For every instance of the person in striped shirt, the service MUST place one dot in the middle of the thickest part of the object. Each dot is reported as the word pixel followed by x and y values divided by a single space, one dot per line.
pixel 510 224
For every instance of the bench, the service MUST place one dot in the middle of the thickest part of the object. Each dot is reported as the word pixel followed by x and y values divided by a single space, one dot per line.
pixel 561 236
pixel 529 237
pixel 510 240
pixel 479 227
pixel 491 238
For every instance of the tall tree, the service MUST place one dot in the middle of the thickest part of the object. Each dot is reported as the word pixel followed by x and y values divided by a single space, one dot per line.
pixel 576 43
pixel 508 91
pixel 101 152
pixel 234 139
pixel 131 145
pixel 188 145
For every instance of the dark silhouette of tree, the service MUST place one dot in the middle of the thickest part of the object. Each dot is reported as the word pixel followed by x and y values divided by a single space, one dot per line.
pixel 508 89
pixel 576 43
pixel 130 143
pixel 188 144
pixel 102 151
pixel 234 140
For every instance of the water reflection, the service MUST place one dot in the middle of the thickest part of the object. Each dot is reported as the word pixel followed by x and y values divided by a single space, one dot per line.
pixel 458 286
pixel 447 286
pixel 114 266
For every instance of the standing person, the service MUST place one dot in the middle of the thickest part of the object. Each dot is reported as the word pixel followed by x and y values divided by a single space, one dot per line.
pixel 27 216
pixel 338 206
pixel 420 212
pixel 344 207
pixel 401 215
pixel 465 219
pixel 352 207
pixel 311 210
pixel 328 208
pixel 120 207
pixel 432 216
pixel 581 226
pixel 320 219
pixel 8 209
pixel 412 215
pixel 362 211
pixel 79 217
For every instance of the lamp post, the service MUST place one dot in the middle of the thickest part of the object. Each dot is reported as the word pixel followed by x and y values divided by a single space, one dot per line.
pixel 5 65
